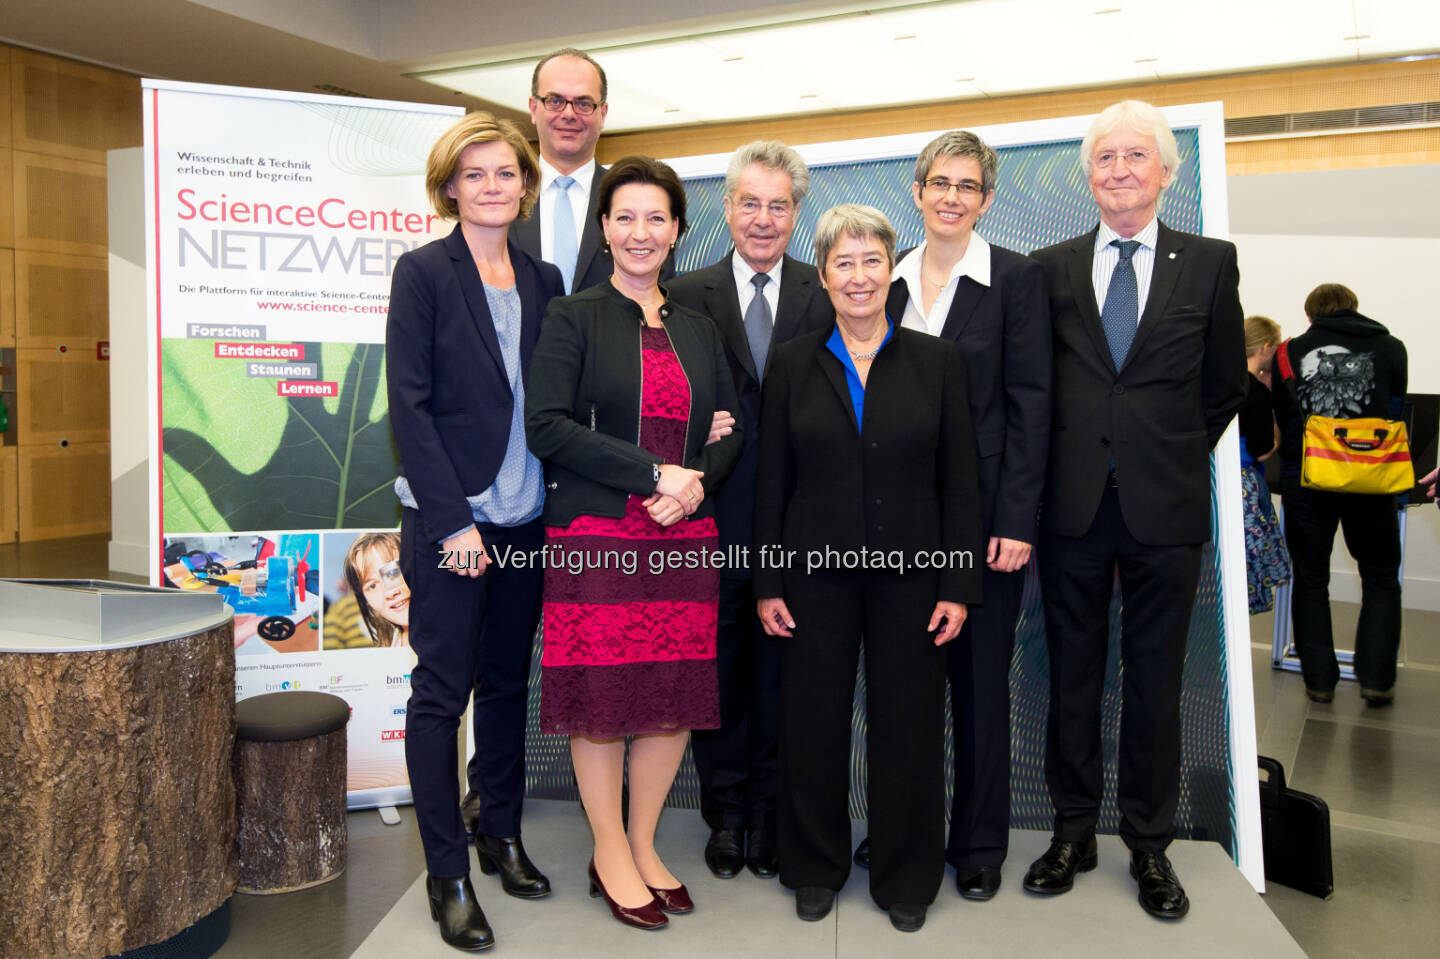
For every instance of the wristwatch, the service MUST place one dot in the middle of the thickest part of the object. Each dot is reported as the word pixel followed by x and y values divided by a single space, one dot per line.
pixel 656 468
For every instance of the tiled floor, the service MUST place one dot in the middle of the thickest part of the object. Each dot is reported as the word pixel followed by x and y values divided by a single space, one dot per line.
pixel 1378 769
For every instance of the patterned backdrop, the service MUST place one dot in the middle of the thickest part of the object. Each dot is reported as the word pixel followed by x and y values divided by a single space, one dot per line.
pixel 1042 198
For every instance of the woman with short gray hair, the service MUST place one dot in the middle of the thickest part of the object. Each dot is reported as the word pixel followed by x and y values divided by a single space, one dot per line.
pixel 866 525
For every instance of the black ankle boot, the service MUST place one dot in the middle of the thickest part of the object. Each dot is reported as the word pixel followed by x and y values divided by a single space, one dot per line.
pixel 518 875
pixel 454 906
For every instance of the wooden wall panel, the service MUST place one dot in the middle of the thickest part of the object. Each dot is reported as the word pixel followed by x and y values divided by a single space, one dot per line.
pixel 64 491
pixel 7 197
pixel 9 496
pixel 1257 94
pixel 69 109
pixel 1335 152
pixel 7 298
pixel 61 300
pixel 4 97
pixel 60 205
pixel 61 397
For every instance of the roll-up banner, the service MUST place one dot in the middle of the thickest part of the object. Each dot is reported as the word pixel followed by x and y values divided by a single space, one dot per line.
pixel 273 222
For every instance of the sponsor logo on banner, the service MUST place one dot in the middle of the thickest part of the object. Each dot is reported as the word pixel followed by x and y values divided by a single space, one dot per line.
pixel 401 680
pixel 282 686
pixel 391 735
pixel 397 710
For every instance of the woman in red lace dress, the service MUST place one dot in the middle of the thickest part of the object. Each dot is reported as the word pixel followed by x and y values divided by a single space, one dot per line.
pixel 621 394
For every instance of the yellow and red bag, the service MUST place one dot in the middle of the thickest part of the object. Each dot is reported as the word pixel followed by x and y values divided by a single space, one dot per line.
pixel 1356 455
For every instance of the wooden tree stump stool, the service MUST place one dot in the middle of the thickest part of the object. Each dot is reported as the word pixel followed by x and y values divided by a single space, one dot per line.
pixel 117 807
pixel 290 791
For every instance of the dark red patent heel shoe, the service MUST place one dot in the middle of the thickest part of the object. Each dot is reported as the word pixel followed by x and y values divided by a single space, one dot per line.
pixel 675 901
pixel 647 916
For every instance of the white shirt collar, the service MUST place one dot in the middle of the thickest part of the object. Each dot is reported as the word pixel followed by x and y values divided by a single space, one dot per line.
pixel 743 271
pixel 1146 236
pixel 974 264
pixel 583 175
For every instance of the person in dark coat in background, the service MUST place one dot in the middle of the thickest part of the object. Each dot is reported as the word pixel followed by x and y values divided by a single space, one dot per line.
pixel 1345 365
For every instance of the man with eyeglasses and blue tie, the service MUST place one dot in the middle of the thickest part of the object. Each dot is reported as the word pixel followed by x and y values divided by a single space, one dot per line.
pixel 568 107
pixel 1149 368
pixel 758 297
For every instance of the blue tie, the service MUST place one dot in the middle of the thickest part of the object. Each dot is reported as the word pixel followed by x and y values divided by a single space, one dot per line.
pixel 1122 303
pixel 758 324
pixel 565 248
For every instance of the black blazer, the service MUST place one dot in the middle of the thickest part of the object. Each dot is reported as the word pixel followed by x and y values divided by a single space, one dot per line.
pixel 450 399
pixel 907 483
pixel 592 263
pixel 803 307
pixel 582 403
pixel 1163 412
pixel 1004 332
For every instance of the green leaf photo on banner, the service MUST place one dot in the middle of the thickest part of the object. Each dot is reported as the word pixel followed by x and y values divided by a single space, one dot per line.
pixel 239 456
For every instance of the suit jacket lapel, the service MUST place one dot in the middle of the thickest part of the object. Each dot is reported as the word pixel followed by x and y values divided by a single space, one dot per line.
pixel 795 292
pixel 589 233
pixel 896 299
pixel 527 283
pixel 1081 264
pixel 526 232
pixel 723 302
pixel 474 292
pixel 968 295
pixel 834 371
pixel 1168 263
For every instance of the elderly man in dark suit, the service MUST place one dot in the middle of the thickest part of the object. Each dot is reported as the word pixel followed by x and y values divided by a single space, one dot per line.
pixel 1149 368
pixel 568 107
pixel 759 297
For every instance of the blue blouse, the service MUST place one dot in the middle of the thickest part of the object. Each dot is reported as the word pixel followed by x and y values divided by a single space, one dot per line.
pixel 836 345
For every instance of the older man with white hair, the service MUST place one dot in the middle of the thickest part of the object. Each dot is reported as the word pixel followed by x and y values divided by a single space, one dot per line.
pixel 1149 367
pixel 759 297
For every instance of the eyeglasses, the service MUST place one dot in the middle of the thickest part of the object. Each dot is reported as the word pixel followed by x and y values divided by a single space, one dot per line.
pixel 1106 159
pixel 583 106
pixel 942 187
pixel 779 209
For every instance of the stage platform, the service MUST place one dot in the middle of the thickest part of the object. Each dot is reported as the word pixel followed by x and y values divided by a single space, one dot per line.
pixel 749 917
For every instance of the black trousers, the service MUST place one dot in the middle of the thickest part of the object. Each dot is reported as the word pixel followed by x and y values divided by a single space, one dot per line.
pixel 470 635
pixel 1372 535
pixel 1157 588
pixel 904 742
pixel 737 762
pixel 978 662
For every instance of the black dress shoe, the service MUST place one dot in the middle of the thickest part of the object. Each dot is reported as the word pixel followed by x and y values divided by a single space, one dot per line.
pixel 1161 894
pixel 724 853
pixel 812 903
pixel 862 853
pixel 518 875
pixel 462 922
pixel 470 814
pixel 978 883
pixel 1054 872
pixel 907 916
pixel 762 852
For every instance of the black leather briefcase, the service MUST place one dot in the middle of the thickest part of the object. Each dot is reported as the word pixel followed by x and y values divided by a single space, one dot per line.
pixel 1295 827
